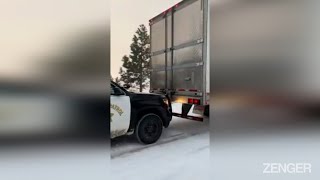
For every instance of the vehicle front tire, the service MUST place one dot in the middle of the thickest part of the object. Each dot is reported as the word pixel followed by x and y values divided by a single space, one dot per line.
pixel 149 129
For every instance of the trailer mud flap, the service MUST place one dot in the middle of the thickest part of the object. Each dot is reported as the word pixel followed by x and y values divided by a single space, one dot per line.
pixel 188 117
pixel 183 111
pixel 198 109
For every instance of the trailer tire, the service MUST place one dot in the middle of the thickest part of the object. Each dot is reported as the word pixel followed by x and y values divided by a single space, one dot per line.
pixel 206 110
pixel 149 129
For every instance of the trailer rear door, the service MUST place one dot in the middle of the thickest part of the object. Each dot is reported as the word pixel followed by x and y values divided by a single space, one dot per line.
pixel 178 49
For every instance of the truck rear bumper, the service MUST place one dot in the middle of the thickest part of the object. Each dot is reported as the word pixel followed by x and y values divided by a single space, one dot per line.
pixel 187 111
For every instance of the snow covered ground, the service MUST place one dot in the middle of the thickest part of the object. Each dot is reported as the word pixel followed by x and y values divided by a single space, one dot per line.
pixel 181 153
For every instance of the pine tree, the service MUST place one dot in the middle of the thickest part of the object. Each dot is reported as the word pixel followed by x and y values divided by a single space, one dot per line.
pixel 117 80
pixel 134 70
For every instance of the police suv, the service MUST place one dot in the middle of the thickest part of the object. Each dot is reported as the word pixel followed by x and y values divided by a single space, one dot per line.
pixel 142 114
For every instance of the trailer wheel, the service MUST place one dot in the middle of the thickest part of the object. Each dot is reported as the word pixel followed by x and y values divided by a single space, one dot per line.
pixel 149 129
pixel 206 110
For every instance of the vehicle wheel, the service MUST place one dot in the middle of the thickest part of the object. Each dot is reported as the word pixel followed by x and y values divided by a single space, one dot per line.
pixel 149 129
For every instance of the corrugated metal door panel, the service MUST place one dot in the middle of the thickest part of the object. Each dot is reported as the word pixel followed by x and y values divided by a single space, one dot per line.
pixel 158 79
pixel 187 55
pixel 188 23
pixel 169 71
pixel 158 61
pixel 158 36
pixel 169 30
pixel 169 79
pixel 188 78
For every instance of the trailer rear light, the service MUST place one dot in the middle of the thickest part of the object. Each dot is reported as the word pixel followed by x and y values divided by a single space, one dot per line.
pixel 193 101
pixel 196 101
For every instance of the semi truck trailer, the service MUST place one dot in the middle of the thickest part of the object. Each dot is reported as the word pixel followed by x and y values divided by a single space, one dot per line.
pixel 180 64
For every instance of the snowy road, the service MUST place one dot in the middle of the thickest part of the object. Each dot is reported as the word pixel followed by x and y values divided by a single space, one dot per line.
pixel 181 153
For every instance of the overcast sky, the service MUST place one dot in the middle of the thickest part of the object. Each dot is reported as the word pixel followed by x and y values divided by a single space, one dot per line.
pixel 35 28
pixel 126 16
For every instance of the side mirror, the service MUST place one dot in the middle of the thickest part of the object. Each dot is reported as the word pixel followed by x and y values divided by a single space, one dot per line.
pixel 118 92
pixel 126 86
